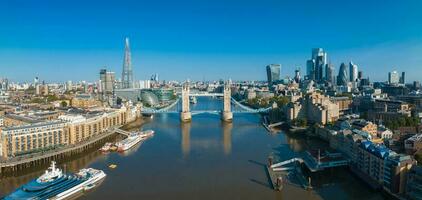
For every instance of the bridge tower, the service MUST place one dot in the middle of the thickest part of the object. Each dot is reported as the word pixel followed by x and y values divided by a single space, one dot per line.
pixel 185 115
pixel 227 114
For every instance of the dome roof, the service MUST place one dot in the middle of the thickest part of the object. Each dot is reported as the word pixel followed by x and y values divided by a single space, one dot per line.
pixel 149 98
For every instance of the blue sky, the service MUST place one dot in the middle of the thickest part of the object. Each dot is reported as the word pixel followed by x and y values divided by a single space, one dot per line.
pixel 61 40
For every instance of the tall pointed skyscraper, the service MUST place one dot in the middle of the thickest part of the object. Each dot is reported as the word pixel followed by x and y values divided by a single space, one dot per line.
pixel 127 74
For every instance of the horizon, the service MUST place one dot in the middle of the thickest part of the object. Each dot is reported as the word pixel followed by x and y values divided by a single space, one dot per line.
pixel 207 40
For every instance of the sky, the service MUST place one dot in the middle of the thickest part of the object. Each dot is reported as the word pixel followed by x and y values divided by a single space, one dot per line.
pixel 62 40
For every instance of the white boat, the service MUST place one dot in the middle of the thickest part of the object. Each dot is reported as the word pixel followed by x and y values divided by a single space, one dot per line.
pixel 106 147
pixel 54 184
pixel 133 139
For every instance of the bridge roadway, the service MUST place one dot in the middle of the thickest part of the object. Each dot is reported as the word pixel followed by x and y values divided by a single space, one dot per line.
pixel 21 160
pixel 245 109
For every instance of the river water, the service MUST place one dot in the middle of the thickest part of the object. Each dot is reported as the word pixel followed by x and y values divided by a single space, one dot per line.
pixel 204 159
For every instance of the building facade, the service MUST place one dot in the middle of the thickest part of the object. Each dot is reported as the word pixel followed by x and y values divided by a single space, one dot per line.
pixel 273 73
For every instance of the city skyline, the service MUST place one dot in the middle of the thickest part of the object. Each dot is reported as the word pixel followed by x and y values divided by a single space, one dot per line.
pixel 213 41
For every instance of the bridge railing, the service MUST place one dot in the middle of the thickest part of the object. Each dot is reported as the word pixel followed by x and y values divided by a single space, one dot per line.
pixel 245 109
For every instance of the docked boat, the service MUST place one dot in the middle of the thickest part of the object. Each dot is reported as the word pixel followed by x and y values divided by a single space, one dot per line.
pixel 54 184
pixel 133 139
pixel 107 146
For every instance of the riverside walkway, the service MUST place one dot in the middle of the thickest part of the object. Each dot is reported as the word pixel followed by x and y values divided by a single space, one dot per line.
pixel 17 163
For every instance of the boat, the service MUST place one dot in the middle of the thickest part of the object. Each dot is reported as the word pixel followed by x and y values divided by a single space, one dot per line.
pixel 112 166
pixel 193 100
pixel 106 147
pixel 133 139
pixel 54 184
pixel 113 148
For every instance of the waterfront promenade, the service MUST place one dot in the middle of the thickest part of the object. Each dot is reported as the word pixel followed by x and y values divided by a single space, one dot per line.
pixel 17 163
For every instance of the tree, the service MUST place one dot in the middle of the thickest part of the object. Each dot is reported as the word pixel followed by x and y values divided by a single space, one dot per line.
pixel 63 104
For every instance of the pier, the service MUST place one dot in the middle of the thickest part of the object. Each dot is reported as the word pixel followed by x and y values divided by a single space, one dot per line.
pixel 313 160
pixel 26 161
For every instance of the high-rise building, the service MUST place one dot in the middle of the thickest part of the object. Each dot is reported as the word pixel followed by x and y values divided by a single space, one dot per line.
pixel 329 73
pixel 107 80
pixel 316 66
pixel 342 78
pixel 393 77
pixel 273 73
pixel 127 74
pixel 403 78
pixel 310 69
pixel 360 75
pixel 297 75
pixel 353 72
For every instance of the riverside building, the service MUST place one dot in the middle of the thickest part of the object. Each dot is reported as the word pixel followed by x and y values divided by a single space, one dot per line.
pixel 68 129
pixel 30 138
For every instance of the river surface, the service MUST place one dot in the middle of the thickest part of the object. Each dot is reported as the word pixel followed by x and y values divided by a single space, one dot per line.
pixel 204 159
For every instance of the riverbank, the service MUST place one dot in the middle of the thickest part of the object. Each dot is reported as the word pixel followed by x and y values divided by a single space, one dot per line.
pixel 13 165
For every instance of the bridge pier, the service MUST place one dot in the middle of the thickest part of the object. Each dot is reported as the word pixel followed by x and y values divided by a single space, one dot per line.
pixel 185 115
pixel 227 114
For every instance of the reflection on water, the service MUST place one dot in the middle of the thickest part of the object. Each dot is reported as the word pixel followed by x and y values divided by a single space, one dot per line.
pixel 204 159
pixel 185 138
pixel 227 137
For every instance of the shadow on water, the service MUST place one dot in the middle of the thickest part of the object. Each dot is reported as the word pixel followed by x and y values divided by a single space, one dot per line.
pixel 268 183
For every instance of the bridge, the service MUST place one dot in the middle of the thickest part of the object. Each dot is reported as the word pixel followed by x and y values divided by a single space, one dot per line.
pixel 186 114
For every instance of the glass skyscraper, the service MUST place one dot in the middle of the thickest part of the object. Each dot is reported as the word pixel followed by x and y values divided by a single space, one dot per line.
pixel 342 78
pixel 273 73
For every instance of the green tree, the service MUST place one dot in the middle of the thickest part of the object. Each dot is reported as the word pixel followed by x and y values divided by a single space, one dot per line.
pixel 63 104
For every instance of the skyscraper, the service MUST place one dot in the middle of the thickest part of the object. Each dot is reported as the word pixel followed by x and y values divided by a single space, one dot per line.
pixel 329 73
pixel 273 73
pixel 342 77
pixel 360 75
pixel 107 81
pixel 393 77
pixel 317 64
pixel 127 74
pixel 353 72
pixel 310 69
pixel 403 78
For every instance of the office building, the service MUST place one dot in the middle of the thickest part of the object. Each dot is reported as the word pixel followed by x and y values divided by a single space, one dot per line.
pixel 342 78
pixel 310 69
pixel 329 73
pixel 107 80
pixel 320 59
pixel 273 73
pixel 393 77
pixel 403 78
pixel 360 75
pixel 353 72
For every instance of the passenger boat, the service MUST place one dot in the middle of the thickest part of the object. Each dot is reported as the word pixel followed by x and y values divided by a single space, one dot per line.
pixel 54 184
pixel 133 139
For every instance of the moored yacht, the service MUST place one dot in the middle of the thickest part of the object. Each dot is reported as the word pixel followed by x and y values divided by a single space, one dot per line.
pixel 54 184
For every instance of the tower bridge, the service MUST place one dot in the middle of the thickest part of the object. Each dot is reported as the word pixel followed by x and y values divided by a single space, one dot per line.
pixel 186 113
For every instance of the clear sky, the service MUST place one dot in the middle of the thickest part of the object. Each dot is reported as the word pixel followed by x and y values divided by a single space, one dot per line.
pixel 61 40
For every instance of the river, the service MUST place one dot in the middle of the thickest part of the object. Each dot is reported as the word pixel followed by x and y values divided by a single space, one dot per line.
pixel 204 159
